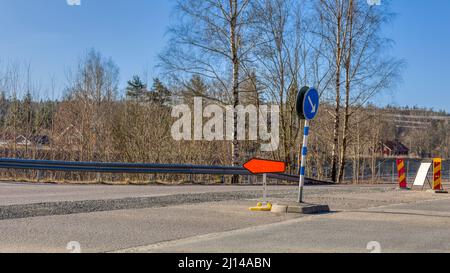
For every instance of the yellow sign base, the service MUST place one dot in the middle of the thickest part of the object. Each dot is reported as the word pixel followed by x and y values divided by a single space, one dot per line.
pixel 261 207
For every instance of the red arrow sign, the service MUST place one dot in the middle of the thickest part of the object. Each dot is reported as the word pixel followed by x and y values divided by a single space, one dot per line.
pixel 257 166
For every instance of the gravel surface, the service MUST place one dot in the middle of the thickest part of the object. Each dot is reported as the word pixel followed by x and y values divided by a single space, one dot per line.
pixel 86 206
pixel 28 193
pixel 72 207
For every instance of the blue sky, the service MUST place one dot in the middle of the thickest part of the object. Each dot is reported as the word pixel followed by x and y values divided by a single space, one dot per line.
pixel 51 35
pixel 421 31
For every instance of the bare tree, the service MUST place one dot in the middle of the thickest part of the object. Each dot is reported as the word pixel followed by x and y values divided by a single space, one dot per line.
pixel 212 40
pixel 90 106
pixel 332 31
pixel 350 31
pixel 368 70
pixel 279 62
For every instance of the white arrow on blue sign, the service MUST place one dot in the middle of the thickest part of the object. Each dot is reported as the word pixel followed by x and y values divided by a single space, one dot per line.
pixel 308 103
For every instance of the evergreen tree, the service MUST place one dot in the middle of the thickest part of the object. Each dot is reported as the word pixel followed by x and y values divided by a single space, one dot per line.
pixel 196 87
pixel 3 108
pixel 136 89
pixel 13 117
pixel 27 115
pixel 159 93
pixel 44 115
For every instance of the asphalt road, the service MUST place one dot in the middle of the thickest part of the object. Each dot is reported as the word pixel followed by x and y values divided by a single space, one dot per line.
pixel 418 227
pixel 101 218
pixel 114 230
pixel 24 193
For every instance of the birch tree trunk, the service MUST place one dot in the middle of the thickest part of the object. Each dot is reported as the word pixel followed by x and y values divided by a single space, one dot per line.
pixel 234 40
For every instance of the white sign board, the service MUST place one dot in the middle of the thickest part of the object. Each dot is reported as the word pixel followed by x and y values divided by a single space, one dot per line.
pixel 422 174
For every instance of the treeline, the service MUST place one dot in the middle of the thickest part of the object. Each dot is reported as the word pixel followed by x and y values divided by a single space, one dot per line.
pixel 95 121
pixel 236 52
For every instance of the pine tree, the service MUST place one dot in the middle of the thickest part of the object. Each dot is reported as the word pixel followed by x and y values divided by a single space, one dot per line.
pixel 27 114
pixel 196 87
pixel 159 93
pixel 136 89
pixel 3 108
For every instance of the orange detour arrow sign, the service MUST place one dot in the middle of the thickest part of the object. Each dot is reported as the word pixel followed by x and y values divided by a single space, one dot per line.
pixel 258 166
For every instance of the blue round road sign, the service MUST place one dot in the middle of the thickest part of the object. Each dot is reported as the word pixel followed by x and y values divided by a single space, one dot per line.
pixel 308 103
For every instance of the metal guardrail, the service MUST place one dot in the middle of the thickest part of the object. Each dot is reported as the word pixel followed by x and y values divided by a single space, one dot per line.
pixel 134 168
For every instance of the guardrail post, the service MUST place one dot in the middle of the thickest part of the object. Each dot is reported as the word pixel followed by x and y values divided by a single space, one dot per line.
pixel 38 176
pixel 407 168
pixel 380 175
pixel 393 172
pixel 265 188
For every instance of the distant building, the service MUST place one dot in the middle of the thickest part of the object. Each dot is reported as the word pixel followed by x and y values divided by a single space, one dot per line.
pixel 21 140
pixel 394 148
pixel 41 140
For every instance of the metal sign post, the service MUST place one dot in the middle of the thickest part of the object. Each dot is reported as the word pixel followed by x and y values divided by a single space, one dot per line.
pixel 307 109
pixel 265 188
pixel 263 166
pixel 303 161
